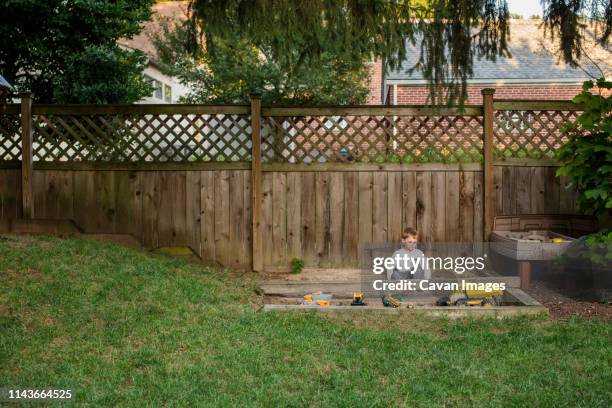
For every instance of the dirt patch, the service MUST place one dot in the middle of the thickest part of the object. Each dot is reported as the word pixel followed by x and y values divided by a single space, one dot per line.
pixel 4 310
pixel 58 341
pixel 20 241
pixel 29 273
pixel 563 307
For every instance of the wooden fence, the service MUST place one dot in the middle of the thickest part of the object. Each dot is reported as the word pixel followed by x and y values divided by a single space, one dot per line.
pixel 252 187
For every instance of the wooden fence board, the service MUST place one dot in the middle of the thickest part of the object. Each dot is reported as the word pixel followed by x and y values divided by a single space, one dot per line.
pixel 104 187
pixel 538 199
pixel 478 207
pixel 379 207
pixel 308 223
pixel 365 207
pixel 193 216
pixel 423 206
pixel 223 247
pixel 322 224
pixel 294 215
pixel 523 186
pixel 438 206
pixel 237 221
pixel 207 218
pixel 394 206
pixel 336 217
pixel 466 206
pixel 150 209
pixel 279 219
pixel 409 199
pixel 509 191
pixel 452 206
pixel 267 217
pixel 350 235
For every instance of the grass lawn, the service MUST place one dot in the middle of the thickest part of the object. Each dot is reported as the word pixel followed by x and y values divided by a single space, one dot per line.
pixel 122 328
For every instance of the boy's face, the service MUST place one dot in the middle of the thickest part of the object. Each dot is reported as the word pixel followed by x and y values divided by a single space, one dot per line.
pixel 409 242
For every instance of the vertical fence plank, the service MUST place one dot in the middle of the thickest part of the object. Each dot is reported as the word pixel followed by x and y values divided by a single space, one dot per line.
pixel 27 208
pixel 479 208
pixel 247 244
pixel 336 218
pixel 84 205
pixel 294 215
pixel 193 211
pixel 394 206
pixel 308 212
pixel 350 235
pixel 409 199
pixel 237 236
pixel 256 183
pixel 466 206
pixel 322 208
pixel 222 218
pixel 551 193
pixel 438 205
pixel 150 207
pixel 365 207
pixel 423 205
pixel 278 240
pixel 538 199
pixel 104 185
pixel 523 197
pixel 509 192
pixel 488 177
pixel 379 207
pixel 452 206
pixel 266 218
pixel 207 217
pixel 498 181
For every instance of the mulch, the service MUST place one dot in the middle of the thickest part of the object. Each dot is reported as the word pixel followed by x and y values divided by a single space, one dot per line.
pixel 563 307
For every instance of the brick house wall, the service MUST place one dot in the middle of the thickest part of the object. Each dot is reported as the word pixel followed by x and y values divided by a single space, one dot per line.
pixel 418 94
pixel 375 83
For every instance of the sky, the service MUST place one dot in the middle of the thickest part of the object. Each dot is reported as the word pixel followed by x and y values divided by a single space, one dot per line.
pixel 525 7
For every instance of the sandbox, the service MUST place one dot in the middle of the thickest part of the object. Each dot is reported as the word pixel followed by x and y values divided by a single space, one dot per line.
pixel 287 296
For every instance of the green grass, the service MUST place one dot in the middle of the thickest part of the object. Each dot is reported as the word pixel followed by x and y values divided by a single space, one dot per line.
pixel 122 328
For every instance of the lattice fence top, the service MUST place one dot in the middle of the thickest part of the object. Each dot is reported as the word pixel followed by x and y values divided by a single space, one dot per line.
pixel 198 133
pixel 369 138
pixel 10 137
pixel 532 134
pixel 142 137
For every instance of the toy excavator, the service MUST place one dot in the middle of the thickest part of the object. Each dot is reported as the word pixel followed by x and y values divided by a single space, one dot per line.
pixel 472 298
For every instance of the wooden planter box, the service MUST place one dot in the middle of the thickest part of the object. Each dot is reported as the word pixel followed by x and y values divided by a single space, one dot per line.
pixel 529 245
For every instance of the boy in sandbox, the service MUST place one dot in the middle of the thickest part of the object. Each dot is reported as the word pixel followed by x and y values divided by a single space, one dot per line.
pixel 412 265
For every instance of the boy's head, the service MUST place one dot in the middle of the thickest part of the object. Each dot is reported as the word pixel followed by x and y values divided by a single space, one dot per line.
pixel 409 238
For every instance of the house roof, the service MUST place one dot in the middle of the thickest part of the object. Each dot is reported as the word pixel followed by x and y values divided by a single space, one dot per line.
pixel 172 10
pixel 534 58
pixel 5 87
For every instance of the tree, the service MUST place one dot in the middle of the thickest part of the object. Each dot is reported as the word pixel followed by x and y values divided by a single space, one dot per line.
pixel 66 51
pixel 452 34
pixel 239 67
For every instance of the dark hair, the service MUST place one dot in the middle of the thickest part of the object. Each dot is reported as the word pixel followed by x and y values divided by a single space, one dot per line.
pixel 409 232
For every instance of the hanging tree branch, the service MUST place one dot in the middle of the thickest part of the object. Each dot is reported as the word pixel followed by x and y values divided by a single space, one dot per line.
pixel 450 34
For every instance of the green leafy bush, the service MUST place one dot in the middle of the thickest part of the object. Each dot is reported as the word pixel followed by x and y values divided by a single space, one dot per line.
pixel 587 157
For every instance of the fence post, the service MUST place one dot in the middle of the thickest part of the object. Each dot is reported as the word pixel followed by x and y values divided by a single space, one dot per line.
pixel 489 187
pixel 27 204
pixel 256 189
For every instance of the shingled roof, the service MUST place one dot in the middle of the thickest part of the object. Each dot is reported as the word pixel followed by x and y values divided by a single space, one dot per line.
pixel 533 58
pixel 173 11
pixel 5 87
